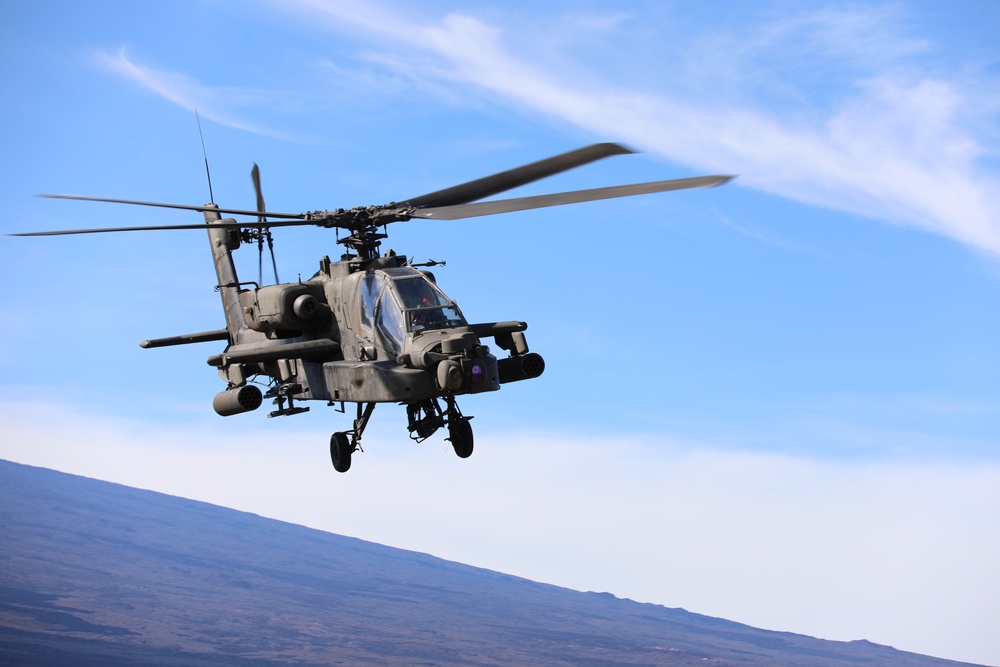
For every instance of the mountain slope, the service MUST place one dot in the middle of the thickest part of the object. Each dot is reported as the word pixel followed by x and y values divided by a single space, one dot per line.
pixel 97 573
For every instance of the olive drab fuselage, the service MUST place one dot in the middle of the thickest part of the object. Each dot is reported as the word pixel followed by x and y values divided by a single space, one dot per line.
pixel 371 341
pixel 361 331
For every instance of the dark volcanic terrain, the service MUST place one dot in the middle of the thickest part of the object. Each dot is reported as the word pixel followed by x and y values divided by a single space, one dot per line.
pixel 93 573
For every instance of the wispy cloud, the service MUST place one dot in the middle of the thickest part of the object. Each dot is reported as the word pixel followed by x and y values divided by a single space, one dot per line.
pixel 884 138
pixel 890 145
pixel 766 237
pixel 214 104
pixel 828 45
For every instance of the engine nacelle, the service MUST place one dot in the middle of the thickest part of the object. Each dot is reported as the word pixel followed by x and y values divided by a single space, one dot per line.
pixel 291 307
pixel 238 399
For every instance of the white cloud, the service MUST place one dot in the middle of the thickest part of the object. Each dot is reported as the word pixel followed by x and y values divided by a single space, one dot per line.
pixel 887 551
pixel 829 41
pixel 887 145
pixel 890 146
pixel 189 93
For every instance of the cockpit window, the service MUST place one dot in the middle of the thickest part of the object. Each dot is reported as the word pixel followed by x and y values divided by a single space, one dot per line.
pixel 379 311
pixel 426 306
pixel 419 293
pixel 371 287
pixel 390 323
pixel 397 300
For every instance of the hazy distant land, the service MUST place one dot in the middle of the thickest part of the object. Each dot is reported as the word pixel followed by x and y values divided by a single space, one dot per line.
pixel 95 573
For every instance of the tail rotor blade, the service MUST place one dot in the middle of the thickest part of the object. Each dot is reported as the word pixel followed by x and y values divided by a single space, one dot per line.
pixel 255 175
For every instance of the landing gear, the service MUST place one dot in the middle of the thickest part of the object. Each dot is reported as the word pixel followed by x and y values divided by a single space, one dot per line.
pixel 344 443
pixel 460 434
pixel 340 451
pixel 424 418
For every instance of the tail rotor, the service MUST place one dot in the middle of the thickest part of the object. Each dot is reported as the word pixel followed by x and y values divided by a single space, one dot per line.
pixel 263 232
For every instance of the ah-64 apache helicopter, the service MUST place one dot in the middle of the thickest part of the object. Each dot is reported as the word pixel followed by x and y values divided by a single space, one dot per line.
pixel 370 328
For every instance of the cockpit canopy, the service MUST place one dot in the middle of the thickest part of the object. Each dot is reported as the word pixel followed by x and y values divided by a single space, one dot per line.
pixel 399 300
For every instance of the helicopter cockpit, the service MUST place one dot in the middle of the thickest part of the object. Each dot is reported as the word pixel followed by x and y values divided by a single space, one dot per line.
pixel 400 300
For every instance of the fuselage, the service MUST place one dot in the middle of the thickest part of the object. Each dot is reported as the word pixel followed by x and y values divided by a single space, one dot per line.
pixel 361 331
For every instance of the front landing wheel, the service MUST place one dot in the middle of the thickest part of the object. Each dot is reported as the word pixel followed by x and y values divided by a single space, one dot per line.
pixel 340 451
pixel 460 434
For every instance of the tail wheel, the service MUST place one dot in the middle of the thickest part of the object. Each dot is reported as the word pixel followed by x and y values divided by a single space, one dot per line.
pixel 460 435
pixel 340 451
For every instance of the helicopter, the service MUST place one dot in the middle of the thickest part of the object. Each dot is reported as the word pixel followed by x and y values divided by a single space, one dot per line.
pixel 371 327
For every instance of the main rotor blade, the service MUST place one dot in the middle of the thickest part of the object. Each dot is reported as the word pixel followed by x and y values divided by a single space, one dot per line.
pixel 558 199
pixel 182 207
pixel 506 180
pixel 153 228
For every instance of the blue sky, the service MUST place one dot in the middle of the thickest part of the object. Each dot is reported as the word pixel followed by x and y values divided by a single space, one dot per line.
pixel 775 401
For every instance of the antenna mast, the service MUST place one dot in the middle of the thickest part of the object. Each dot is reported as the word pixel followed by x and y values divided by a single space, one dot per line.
pixel 211 196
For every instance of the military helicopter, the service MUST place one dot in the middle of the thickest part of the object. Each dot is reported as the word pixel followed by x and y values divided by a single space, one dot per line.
pixel 369 328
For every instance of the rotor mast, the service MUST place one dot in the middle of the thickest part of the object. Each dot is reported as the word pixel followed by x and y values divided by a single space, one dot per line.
pixel 365 225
